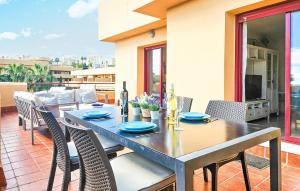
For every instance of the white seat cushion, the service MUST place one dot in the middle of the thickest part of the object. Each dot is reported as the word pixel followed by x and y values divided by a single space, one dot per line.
pixel 50 103
pixel 88 96
pixel 65 97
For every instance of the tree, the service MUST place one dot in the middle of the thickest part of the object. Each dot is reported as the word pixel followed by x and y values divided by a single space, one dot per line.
pixel 16 72
pixel 40 73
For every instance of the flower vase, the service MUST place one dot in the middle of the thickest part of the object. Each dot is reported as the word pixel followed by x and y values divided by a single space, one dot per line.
pixel 136 111
pixel 154 115
pixel 146 113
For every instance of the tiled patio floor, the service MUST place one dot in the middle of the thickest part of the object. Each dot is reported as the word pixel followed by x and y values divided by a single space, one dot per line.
pixel 27 166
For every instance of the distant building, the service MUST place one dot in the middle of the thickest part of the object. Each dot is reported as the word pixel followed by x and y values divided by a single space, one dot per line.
pixel 28 62
pixel 61 72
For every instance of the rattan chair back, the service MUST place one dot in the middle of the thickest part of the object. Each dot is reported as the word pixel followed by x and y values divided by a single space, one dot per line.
pixel 227 110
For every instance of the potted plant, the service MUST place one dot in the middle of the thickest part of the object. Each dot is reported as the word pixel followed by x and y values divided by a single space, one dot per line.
pixel 154 107
pixel 144 104
pixel 145 109
pixel 135 107
pixel 154 111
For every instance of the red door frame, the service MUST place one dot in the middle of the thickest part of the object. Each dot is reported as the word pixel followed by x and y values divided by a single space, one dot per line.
pixel 146 68
pixel 285 7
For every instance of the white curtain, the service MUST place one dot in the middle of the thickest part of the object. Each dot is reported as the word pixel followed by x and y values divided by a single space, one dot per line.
pixel 244 56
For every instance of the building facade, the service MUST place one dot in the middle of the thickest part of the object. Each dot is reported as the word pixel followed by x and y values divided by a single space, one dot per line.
pixel 209 49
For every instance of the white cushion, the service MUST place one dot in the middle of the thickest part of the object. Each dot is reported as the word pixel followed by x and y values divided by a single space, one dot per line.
pixel 39 100
pixel 41 94
pixel 57 89
pixel 65 97
pixel 50 103
pixel 78 92
pixel 88 96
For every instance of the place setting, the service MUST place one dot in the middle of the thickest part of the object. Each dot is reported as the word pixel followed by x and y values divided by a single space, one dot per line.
pixel 194 117
pixel 137 127
pixel 97 115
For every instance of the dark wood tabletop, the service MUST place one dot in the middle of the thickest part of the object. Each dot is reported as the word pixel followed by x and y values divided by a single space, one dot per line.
pixel 197 145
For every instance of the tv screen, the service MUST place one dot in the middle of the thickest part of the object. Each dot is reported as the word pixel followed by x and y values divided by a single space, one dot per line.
pixel 253 85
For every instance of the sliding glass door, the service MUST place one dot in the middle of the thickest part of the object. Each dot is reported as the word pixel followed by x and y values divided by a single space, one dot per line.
pixel 155 71
pixel 293 76
pixel 285 67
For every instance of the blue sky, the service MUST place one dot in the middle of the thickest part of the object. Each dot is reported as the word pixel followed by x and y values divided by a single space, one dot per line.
pixel 51 28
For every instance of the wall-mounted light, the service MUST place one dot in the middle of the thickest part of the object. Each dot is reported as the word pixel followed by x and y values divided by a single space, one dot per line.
pixel 152 33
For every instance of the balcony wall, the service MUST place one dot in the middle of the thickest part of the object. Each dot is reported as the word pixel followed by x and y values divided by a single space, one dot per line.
pixel 130 61
pixel 118 16
pixel 7 90
pixel 200 39
pixel 201 42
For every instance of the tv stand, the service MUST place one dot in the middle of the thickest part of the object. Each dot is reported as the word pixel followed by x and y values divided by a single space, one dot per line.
pixel 257 109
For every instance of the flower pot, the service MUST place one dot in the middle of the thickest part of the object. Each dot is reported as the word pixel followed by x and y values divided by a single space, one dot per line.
pixel 146 113
pixel 136 111
pixel 154 115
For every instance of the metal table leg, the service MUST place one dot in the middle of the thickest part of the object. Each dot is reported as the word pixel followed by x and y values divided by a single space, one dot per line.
pixel 275 164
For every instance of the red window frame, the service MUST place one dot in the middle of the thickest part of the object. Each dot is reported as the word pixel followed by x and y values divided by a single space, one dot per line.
pixel 287 8
pixel 146 69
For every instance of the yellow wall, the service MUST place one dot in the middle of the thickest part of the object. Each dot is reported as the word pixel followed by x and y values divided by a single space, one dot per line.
pixel 117 16
pixel 129 64
pixel 200 50
pixel 201 37
pixel 7 90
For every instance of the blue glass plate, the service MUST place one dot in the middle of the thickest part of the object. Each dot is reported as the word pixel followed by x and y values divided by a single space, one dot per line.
pixel 137 126
pixel 97 104
pixel 194 116
pixel 96 114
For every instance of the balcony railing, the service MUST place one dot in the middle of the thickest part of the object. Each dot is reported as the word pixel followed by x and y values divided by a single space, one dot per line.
pixel 40 86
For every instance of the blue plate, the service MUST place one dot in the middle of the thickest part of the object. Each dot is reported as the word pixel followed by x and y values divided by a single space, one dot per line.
pixel 97 104
pixel 194 116
pixel 137 126
pixel 96 114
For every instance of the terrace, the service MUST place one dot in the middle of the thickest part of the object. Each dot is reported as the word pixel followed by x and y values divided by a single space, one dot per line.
pixel 27 166
pixel 232 125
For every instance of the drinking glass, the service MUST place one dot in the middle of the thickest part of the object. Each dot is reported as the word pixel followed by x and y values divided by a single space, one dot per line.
pixel 179 110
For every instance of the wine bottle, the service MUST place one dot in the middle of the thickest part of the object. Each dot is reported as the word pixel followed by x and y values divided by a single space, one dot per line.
pixel 124 100
pixel 172 106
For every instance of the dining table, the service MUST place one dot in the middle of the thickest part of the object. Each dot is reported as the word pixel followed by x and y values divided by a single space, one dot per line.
pixel 198 144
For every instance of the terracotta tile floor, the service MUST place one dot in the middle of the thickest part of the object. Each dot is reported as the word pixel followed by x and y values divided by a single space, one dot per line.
pixel 27 166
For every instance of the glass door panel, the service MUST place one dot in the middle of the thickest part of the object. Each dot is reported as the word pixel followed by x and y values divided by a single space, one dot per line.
pixel 295 75
pixel 155 67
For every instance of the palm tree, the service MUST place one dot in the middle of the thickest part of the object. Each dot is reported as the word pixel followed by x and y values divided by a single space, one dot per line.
pixel 40 73
pixel 16 72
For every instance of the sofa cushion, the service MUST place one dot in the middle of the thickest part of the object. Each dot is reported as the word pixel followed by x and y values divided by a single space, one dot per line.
pixel 41 94
pixel 57 89
pixel 65 97
pixel 78 93
pixel 88 96
pixel 50 103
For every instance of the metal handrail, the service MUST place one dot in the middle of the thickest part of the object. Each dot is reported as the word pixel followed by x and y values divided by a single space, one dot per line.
pixel 67 83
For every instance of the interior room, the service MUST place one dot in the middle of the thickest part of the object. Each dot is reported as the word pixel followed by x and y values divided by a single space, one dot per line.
pixel 265 70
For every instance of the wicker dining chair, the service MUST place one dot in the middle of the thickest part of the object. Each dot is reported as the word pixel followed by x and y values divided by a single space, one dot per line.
pixel 19 110
pixel 187 103
pixel 65 155
pixel 127 172
pixel 231 111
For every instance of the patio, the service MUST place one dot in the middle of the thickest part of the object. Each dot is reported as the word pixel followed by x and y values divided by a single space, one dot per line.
pixel 27 166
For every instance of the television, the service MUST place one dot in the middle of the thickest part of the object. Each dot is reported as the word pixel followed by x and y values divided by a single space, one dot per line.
pixel 253 86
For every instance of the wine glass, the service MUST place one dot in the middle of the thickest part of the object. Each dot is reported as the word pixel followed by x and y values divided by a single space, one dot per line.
pixel 179 110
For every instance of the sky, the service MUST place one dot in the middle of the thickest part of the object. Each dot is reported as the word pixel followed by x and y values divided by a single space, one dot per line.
pixel 51 28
